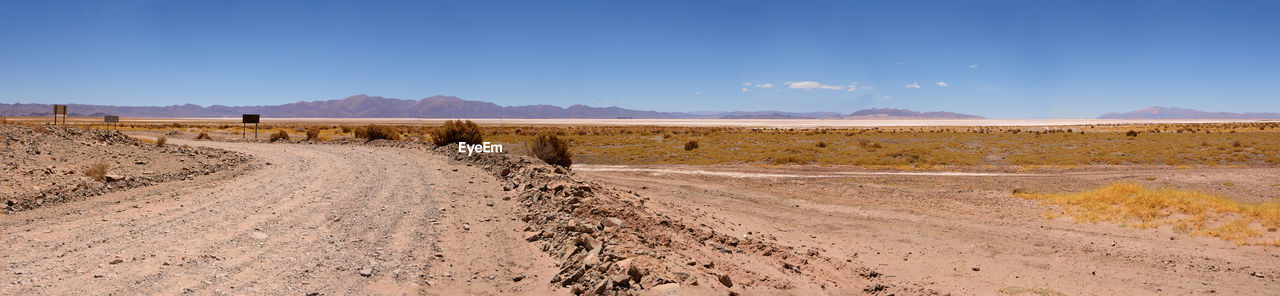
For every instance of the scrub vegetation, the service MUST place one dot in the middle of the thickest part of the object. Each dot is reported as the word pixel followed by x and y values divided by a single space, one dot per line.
pixel 1191 212
pixel 984 148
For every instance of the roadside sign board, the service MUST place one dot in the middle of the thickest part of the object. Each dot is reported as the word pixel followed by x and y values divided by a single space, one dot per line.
pixel 59 110
pixel 111 118
pixel 250 118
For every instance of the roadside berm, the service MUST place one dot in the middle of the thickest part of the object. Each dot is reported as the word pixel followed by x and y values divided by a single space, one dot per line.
pixel 607 241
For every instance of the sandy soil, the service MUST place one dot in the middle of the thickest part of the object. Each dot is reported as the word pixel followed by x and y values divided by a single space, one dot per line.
pixel 965 234
pixel 327 219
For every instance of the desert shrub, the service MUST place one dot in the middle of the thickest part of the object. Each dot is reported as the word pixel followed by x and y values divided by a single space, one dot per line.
pixel 203 136
pixel 97 171
pixel 377 132
pixel 1235 143
pixel 455 131
pixel 346 129
pixel 690 145
pixel 821 144
pixel 790 159
pixel 160 141
pixel 280 135
pixel 551 149
pixel 1131 133
pixel 313 134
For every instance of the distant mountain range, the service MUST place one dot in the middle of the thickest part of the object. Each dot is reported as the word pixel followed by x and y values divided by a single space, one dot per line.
pixel 1176 113
pixel 363 106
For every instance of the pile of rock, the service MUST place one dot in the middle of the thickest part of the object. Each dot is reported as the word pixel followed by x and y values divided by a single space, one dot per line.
pixel 606 241
pixel 44 164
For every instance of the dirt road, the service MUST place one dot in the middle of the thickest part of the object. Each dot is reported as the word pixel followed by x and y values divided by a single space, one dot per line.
pixel 300 219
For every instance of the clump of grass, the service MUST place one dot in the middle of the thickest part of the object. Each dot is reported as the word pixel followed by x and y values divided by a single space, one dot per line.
pixel 346 129
pixel 280 135
pixel 551 149
pixel 790 159
pixel 455 131
pixel 160 141
pixel 377 132
pixel 203 136
pixel 690 145
pixel 313 134
pixel 97 171
pixel 1131 133
pixel 1196 212
pixel 821 144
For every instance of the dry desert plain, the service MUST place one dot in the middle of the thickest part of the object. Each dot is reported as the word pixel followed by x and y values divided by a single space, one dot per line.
pixel 760 207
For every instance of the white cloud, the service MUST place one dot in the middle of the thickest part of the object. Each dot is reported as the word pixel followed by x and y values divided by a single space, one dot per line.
pixel 744 89
pixel 764 85
pixel 886 97
pixel 942 84
pixel 913 84
pixel 811 85
pixel 748 83
pixel 697 93
pixel 973 66
pixel 853 86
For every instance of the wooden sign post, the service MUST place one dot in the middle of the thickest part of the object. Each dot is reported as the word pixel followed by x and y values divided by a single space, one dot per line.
pixel 112 119
pixel 59 109
pixel 250 118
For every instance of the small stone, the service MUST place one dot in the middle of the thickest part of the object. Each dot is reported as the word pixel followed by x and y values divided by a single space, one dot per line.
pixel 116 261
pixel 114 178
pixel 977 269
pixel 259 235
pixel 517 278
pixel 532 235
pixel 724 280
pixel 614 222
pixel 366 272
pixel 683 277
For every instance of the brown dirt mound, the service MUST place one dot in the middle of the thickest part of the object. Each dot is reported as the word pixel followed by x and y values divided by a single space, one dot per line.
pixel 43 165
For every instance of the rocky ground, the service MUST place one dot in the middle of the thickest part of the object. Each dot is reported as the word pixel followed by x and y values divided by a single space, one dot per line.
pixel 967 234
pixel 608 240
pixel 394 218
pixel 45 164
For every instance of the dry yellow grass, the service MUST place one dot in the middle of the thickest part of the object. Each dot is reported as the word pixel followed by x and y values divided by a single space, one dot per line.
pixel 97 171
pixel 1007 148
pixel 1187 211
pixel 916 147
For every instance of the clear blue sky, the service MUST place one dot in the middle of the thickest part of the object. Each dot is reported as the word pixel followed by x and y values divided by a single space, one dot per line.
pixel 1001 59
